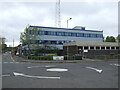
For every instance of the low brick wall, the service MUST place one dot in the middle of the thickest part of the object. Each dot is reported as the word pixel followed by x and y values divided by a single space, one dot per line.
pixel 92 53
pixel 98 53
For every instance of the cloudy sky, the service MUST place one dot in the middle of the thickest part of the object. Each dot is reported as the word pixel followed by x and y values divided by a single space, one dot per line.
pixel 15 16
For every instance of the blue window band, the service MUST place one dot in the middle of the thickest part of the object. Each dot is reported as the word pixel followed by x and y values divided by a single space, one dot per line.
pixel 52 33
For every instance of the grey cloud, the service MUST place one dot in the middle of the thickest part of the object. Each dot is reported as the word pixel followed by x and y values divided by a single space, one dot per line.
pixel 16 16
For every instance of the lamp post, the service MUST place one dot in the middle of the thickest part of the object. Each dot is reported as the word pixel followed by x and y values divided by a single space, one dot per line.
pixel 67 34
pixel 67 21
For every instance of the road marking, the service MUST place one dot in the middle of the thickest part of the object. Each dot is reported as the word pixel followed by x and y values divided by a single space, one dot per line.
pixel 7 75
pixel 41 66
pixel 6 62
pixel 98 70
pixel 115 65
pixel 21 74
pixel 57 69
pixel 12 59
pixel 11 62
pixel 16 62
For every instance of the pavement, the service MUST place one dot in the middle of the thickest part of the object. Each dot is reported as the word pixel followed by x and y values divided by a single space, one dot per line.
pixel 90 74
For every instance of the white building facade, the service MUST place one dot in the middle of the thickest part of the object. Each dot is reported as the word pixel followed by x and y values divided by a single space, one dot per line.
pixel 56 37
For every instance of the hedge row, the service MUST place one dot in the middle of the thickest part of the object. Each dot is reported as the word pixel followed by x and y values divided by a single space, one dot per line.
pixel 40 57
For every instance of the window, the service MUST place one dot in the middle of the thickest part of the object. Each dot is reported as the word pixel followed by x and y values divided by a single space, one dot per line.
pixel 77 35
pixel 39 42
pixel 31 32
pixel 102 47
pixel 81 48
pixel 108 48
pixel 74 34
pixel 63 34
pixel 112 47
pixel 60 42
pixel 86 47
pixel 41 32
pixel 97 47
pixel 64 42
pixel 58 33
pixel 93 35
pixel 68 34
pixel 86 35
pixel 53 42
pixel 117 48
pixel 46 32
pixel 80 35
pixel 99 35
pixel 92 47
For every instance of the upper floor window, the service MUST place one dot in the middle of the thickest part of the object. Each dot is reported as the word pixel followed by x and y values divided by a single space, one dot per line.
pixel 32 32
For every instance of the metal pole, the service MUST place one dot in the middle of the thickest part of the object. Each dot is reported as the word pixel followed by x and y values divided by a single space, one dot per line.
pixel 67 34
pixel 67 23
pixel 13 47
pixel 67 40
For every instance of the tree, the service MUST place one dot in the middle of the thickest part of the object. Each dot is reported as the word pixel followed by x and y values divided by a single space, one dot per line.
pixel 118 38
pixel 28 38
pixel 110 39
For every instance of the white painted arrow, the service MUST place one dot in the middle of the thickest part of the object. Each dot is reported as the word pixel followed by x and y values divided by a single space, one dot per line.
pixel 21 74
pixel 95 69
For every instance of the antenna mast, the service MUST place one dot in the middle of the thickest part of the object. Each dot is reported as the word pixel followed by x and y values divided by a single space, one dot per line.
pixel 57 14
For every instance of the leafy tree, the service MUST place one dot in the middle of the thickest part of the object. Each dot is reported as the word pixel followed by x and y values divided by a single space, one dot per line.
pixel 110 39
pixel 29 39
pixel 118 38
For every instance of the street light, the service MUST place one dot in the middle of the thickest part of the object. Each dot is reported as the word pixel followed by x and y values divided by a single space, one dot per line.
pixel 67 21
pixel 67 38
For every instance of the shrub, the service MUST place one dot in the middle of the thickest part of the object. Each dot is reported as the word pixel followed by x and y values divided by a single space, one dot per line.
pixel 40 57
pixel 51 55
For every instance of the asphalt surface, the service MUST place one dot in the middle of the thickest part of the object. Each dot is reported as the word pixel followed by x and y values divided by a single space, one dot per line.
pixel 79 75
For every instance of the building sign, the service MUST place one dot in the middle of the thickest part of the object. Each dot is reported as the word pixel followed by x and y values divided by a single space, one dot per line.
pixel 58 57
pixel 85 50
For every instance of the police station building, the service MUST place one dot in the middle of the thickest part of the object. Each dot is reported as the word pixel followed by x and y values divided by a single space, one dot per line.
pixel 54 36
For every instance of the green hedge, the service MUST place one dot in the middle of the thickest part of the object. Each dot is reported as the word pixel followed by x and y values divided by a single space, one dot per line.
pixel 40 57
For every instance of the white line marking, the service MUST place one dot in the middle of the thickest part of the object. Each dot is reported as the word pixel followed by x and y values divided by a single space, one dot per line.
pixel 98 70
pixel 6 75
pixel 57 69
pixel 16 62
pixel 11 62
pixel 115 65
pixel 5 62
pixel 12 59
pixel 21 74
pixel 41 66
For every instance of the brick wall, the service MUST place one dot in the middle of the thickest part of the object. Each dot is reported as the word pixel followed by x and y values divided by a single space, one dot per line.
pixel 90 54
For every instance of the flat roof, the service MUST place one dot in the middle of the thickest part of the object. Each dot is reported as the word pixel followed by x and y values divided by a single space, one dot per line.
pixel 91 44
pixel 65 28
